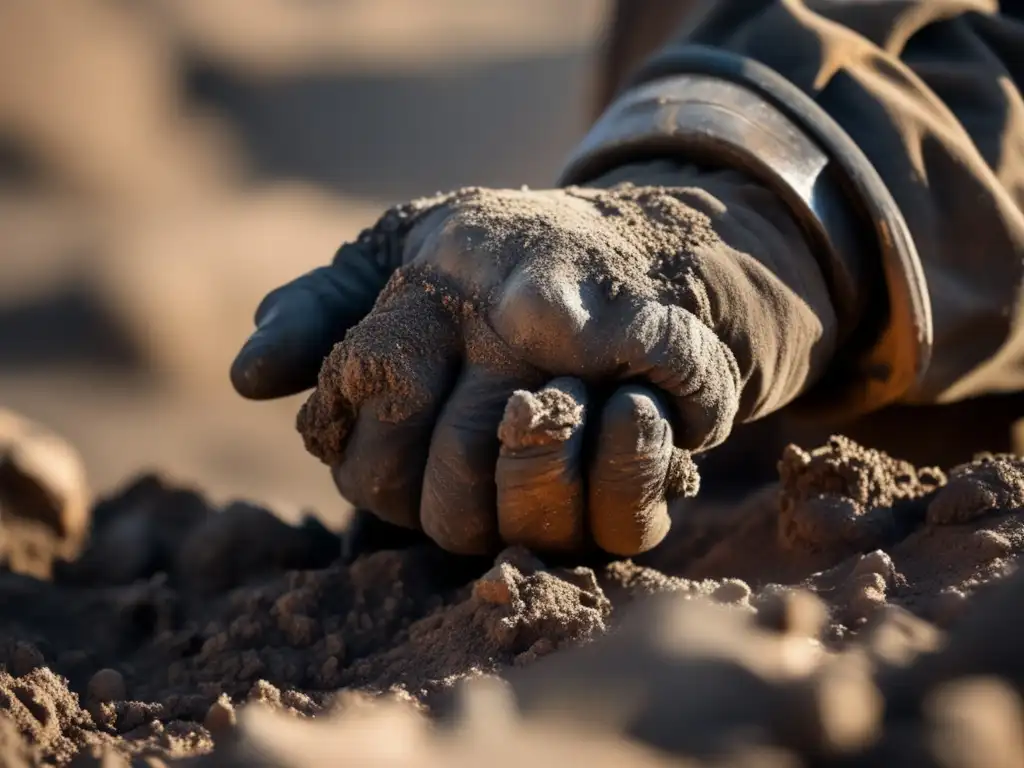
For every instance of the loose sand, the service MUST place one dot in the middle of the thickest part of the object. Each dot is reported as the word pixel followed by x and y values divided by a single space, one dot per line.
pixel 863 612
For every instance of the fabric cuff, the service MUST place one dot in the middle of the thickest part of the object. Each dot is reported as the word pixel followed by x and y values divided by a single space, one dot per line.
pixel 706 106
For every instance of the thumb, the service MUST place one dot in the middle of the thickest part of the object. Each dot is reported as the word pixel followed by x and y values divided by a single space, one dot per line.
pixel 299 323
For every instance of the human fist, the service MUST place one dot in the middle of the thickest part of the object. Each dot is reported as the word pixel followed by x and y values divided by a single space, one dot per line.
pixel 537 366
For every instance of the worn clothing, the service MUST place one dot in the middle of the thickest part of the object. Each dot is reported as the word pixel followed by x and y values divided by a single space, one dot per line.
pixel 929 90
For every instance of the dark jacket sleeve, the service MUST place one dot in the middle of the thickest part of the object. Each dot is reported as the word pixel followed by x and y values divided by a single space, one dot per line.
pixel 917 103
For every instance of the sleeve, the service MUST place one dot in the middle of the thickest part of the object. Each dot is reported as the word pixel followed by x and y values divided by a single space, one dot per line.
pixel 895 129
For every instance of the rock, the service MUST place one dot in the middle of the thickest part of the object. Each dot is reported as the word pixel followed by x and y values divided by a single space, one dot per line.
pixel 107 685
pixel 44 497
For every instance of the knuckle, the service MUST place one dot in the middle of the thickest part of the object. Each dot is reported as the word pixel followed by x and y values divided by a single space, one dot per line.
pixel 542 316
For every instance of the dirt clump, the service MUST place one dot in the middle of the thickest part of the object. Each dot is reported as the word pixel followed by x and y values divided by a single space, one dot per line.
pixel 549 416
pixel 831 503
pixel 43 497
pixel 843 497
pixel 154 528
pixel 860 612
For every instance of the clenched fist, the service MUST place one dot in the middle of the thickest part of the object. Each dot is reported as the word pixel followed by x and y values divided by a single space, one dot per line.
pixel 535 368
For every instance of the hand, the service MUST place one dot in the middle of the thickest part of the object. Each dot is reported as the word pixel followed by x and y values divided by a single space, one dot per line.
pixel 538 365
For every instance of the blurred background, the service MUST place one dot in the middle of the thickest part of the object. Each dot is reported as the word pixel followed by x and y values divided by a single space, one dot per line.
pixel 164 163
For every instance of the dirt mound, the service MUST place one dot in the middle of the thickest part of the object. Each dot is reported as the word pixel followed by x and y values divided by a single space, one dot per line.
pixel 855 613
pixel 43 497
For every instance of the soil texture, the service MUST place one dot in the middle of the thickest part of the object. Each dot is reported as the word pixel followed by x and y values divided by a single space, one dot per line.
pixel 860 611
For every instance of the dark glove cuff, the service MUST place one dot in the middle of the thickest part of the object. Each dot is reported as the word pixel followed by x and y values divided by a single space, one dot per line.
pixel 705 105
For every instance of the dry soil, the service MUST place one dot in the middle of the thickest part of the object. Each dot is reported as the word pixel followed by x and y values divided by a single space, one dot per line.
pixel 861 612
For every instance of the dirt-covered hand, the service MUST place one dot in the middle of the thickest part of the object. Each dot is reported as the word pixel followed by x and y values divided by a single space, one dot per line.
pixel 538 365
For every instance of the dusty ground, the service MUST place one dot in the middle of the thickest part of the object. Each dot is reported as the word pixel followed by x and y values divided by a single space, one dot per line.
pixel 859 611
pixel 162 164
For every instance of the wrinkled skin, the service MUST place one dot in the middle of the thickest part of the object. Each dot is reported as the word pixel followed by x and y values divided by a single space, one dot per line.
pixel 534 368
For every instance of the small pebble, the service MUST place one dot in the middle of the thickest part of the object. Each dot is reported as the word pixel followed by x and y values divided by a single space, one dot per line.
pixel 25 658
pixel 107 685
